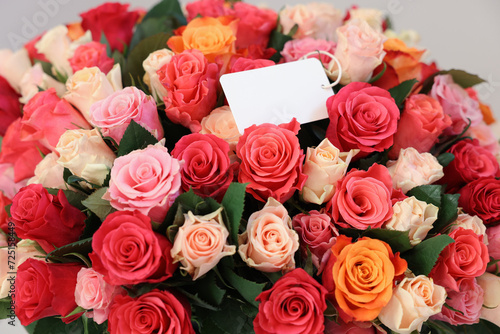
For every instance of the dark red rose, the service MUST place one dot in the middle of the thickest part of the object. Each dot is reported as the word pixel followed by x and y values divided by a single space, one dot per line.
pixel 362 117
pixel 114 20
pixel 153 312
pixel 50 220
pixel 482 198
pixel 295 304
pixel 10 108
pixel 44 290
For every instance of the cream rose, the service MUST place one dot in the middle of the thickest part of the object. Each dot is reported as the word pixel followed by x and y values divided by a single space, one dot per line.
pixel 13 65
pixel 324 166
pixel 413 301
pixel 491 286
pixel 154 62
pixel 473 223
pixel 201 242
pixel 220 123
pixel 90 85
pixel 414 216
pixel 269 242
pixel 85 154
pixel 414 169
pixel 372 16
pixel 34 79
pixel 328 19
pixel 49 173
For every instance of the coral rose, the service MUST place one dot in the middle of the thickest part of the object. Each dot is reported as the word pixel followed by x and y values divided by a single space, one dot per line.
pixel 90 55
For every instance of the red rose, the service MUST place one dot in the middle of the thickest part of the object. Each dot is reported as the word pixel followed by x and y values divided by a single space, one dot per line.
pixel 245 64
pixel 466 257
pixel 363 198
pixel 127 251
pixel 4 201
pixel 295 304
pixel 254 26
pixel 472 162
pixel 90 55
pixel 50 220
pixel 46 117
pixel 482 198
pixel 191 83
pixel 10 108
pixel 153 312
pixel 271 161
pixel 114 21
pixel 207 168
pixel 33 52
pixel 362 117
pixel 44 290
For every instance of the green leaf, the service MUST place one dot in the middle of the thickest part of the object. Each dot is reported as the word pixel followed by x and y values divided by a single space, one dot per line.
pixel 448 212
pixel 104 40
pixel 97 205
pixel 277 42
pixel 401 91
pixel 209 290
pixel 175 216
pixel 77 310
pixel 166 8
pixel 83 247
pixel 308 266
pixel 5 308
pixel 54 325
pixel 198 301
pixel 445 158
pixel 427 193
pixel 398 240
pixel 74 198
pixel 92 224
pixel 439 327
pixel 234 203
pixel 231 319
pixel 178 222
pixel 135 138
pixel 249 290
pixel 422 258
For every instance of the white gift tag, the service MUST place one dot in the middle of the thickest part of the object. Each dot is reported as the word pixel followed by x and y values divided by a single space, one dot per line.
pixel 276 94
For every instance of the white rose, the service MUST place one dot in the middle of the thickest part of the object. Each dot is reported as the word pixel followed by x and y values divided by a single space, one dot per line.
pixel 372 16
pixel 13 65
pixel 34 79
pixel 155 61
pixel 49 173
pixel 473 223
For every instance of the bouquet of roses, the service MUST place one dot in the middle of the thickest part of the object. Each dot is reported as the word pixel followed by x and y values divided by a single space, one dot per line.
pixel 132 203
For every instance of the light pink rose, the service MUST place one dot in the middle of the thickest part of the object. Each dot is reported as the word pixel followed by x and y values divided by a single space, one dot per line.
pixel 486 137
pixel 414 169
pixel 297 48
pixel 469 222
pixel 456 103
pixel 146 180
pixel 374 17
pixel 114 114
pixel 7 184
pixel 269 243
pixel 220 122
pixel 49 173
pixel 34 79
pixel 201 242
pixel 93 293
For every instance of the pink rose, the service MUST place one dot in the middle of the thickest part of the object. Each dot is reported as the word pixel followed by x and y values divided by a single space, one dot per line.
pixel 90 55
pixel 211 8
pixel 363 198
pixel 254 26
pixel 493 234
pixel 127 251
pixel 486 137
pixel 353 327
pixel 297 48
pixel 456 103
pixel 245 64
pixel 114 114
pixel 271 161
pixel 191 83
pixel 318 234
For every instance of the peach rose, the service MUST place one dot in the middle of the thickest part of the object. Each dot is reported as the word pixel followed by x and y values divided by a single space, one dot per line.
pixel 90 85
pixel 269 243
pixel 13 65
pixel 34 79
pixel 324 166
pixel 201 242
pixel 360 49
pixel 485 134
pixel 413 301
pixel 152 64
pixel 415 216
pixel 49 173
pixel 220 122
pixel 89 55
pixel 491 287
pixel 372 16
pixel 469 222
pixel 414 169
pixel 85 154
pixel 297 48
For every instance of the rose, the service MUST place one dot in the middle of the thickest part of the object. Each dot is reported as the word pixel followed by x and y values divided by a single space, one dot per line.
pixel 295 304
pixel 486 137
pixel 473 223
pixel 4 201
pixel 414 169
pixel 92 292
pixel 372 16
pixel 491 286
pixel 7 184
pixel 324 166
pixel 207 169
pixel 482 198
pixel 85 154
pixel 213 37
pixel 33 52
pixel 414 216
pixel 146 180
pixel 269 242
pixel 89 55
pixel 255 25
pixel 362 117
pixel 467 302
pixel 271 161
pixel 245 64
pixel 360 49
pixel 49 173
pixel 191 84
pixel 493 234
pixel 159 312
pixel 363 198
pixel 297 48
pixel 42 290
pixel 127 251
pixel 456 103
pixel 467 257
pixel 201 242
pixel 114 21
pixel 46 117
pixel 10 108
pixel 361 276
pixel 114 113
pixel 37 214
pixel 220 122
pixel 317 234
pixel 35 80
pixel 152 64
pixel 422 121
pixel 413 301
pixel 471 162
pixel 211 8
pixel 13 65
pixel 354 327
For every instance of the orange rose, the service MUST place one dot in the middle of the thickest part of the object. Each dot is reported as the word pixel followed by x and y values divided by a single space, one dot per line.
pixel 362 274
pixel 212 36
